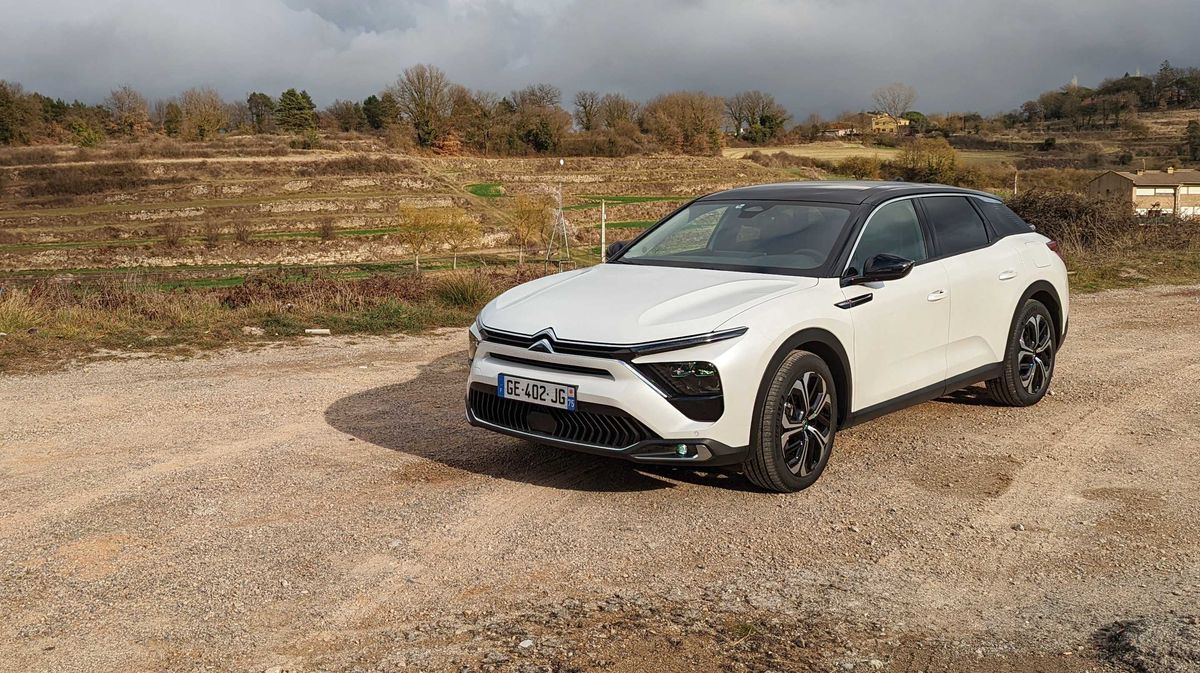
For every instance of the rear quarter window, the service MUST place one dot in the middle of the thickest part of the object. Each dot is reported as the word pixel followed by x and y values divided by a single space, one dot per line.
pixel 1003 220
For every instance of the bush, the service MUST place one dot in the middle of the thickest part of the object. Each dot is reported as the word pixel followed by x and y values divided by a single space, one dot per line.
pixel 172 234
pixel 928 160
pixel 783 159
pixel 465 290
pixel 1085 222
pixel 89 179
pixel 242 231
pixel 309 140
pixel 860 168
pixel 362 164
pixel 212 234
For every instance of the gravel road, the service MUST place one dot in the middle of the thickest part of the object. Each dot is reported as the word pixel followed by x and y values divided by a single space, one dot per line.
pixel 323 507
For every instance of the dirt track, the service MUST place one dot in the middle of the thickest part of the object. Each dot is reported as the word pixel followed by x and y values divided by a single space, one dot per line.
pixel 324 507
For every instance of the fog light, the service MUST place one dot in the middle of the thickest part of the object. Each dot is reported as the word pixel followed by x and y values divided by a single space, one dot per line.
pixel 681 449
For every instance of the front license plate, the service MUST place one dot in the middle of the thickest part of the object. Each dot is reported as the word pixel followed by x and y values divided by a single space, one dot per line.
pixel 549 394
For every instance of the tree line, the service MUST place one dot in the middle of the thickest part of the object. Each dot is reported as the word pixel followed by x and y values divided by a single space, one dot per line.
pixel 1115 101
pixel 423 108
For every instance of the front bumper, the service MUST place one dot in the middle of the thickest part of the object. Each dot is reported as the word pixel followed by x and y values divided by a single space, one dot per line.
pixel 621 413
pixel 649 451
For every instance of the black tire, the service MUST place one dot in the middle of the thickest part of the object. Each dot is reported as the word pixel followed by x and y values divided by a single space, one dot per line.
pixel 1029 358
pixel 777 461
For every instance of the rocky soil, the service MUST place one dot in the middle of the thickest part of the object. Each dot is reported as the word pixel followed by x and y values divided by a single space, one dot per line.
pixel 324 507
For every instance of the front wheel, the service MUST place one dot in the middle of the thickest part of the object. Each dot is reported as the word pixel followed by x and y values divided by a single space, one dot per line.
pixel 1028 359
pixel 796 425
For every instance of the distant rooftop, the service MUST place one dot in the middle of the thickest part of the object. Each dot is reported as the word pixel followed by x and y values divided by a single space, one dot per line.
pixel 1153 178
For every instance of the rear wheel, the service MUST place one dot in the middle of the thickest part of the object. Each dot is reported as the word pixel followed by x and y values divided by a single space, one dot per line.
pixel 1029 358
pixel 796 425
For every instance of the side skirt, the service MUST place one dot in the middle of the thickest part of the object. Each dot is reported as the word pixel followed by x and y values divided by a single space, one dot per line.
pixel 925 394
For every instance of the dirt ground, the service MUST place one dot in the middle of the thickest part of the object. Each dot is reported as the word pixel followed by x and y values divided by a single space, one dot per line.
pixel 324 507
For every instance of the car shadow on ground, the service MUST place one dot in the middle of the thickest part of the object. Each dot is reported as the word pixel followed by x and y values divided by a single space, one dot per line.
pixel 424 417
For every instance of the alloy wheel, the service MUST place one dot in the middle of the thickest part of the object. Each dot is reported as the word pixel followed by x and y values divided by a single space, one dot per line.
pixel 1035 355
pixel 806 424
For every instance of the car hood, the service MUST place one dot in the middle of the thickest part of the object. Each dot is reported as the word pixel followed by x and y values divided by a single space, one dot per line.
pixel 624 303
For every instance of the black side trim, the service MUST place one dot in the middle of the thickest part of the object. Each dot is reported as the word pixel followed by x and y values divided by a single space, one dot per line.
pixel 925 394
pixel 855 301
pixel 625 352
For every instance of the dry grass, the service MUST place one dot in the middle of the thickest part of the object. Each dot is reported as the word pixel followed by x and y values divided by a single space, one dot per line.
pixel 53 322
pixel 838 151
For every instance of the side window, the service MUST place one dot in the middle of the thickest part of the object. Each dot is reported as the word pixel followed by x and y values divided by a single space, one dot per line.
pixel 1004 221
pixel 955 224
pixel 893 229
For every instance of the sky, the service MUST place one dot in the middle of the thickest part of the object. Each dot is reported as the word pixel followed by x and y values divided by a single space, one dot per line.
pixel 815 56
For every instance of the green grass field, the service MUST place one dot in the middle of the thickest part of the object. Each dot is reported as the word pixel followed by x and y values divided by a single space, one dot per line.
pixel 487 190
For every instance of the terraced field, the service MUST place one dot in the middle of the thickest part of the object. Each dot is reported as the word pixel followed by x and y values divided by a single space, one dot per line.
pixel 219 216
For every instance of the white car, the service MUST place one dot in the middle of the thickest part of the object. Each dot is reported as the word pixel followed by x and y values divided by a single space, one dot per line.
pixel 749 326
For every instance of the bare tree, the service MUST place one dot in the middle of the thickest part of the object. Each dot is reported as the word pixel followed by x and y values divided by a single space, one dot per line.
pixel 203 112
pixel 616 110
pixel 756 115
pixel 894 99
pixel 737 108
pixel 587 110
pixel 537 95
pixel 129 110
pixel 685 121
pixel 423 99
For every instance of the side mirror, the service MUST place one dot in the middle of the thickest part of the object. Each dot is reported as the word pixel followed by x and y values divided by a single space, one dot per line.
pixel 881 267
pixel 615 249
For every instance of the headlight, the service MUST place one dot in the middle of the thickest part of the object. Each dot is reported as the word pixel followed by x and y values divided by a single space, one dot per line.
pixel 472 345
pixel 685 378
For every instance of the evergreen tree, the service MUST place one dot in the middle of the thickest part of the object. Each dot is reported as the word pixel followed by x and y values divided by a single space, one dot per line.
pixel 262 112
pixel 173 119
pixel 295 111
pixel 372 109
pixel 1191 140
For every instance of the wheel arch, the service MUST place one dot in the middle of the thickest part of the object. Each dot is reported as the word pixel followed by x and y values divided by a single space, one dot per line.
pixel 825 345
pixel 1044 292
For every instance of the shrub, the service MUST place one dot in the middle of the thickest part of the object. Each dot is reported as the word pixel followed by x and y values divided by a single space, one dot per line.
pixel 242 231
pixel 309 140
pixel 465 290
pixel 212 234
pixel 928 160
pixel 88 179
pixel 1078 221
pixel 860 168
pixel 172 234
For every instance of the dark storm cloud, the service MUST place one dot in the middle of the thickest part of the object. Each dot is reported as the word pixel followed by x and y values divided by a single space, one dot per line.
pixel 815 55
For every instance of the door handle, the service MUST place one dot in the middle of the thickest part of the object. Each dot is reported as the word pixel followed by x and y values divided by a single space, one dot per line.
pixel 1008 274
pixel 937 295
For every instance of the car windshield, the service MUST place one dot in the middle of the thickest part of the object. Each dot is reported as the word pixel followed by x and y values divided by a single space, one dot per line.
pixel 788 237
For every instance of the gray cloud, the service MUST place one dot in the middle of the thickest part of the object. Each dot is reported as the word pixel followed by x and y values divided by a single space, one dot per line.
pixel 814 55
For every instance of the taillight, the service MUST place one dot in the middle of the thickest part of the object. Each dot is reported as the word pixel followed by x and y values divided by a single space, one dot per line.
pixel 1053 245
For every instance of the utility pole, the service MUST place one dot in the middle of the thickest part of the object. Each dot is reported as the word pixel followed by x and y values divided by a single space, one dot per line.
pixel 603 242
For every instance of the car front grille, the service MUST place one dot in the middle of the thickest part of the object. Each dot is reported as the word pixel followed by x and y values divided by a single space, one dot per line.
pixel 591 424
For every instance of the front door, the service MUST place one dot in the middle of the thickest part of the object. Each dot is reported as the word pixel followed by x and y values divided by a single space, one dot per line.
pixel 900 332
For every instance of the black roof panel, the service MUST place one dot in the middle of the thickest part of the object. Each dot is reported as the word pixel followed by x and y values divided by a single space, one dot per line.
pixel 851 192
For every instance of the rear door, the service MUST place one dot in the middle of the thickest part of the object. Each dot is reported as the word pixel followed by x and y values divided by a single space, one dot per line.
pixel 983 274
pixel 900 326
